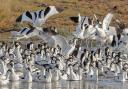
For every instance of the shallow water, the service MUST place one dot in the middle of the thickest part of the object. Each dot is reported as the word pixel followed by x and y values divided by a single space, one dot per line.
pixel 67 85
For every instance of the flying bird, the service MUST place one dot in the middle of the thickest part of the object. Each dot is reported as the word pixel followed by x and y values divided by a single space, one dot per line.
pixel 39 17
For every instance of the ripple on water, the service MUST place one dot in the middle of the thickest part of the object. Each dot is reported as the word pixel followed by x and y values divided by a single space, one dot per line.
pixel 67 85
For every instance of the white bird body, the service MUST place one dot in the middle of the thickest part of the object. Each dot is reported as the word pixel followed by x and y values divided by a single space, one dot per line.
pixel 125 34
pixel 53 41
pixel 3 68
pixel 79 32
pixel 61 64
pixel 39 17
pixel 13 76
pixel 1 52
pixel 83 23
pixel 106 32
pixel 90 32
pixel 63 76
pixel 4 81
pixel 122 77
pixel 87 67
pixel 46 78
pixel 17 53
pixel 79 53
pixel 55 76
pixel 92 74
pixel 91 71
pixel 114 71
pixel 24 33
pixel 69 49
pixel 28 76
pixel 100 32
pixel 73 75
pixel 44 60
pixel 123 46
pixel 107 21
pixel 113 67
pixel 18 67
pixel 38 57
pixel 118 69
pixel 48 59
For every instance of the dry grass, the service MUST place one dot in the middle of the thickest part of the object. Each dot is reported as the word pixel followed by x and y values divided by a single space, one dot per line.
pixel 10 9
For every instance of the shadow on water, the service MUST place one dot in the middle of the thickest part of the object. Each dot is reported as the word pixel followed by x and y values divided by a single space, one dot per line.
pixel 67 85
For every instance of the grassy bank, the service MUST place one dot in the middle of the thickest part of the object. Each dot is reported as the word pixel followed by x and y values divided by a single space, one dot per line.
pixel 10 9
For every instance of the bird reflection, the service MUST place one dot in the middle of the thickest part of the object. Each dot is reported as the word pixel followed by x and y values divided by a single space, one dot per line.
pixel 26 85
pixel 48 86
pixel 74 84
pixel 4 87
pixel 56 85
pixel 66 85
pixel 90 85
pixel 14 85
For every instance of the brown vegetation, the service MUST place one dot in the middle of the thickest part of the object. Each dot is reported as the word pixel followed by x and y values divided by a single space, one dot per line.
pixel 10 9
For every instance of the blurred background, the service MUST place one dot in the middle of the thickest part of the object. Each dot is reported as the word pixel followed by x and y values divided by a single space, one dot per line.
pixel 11 9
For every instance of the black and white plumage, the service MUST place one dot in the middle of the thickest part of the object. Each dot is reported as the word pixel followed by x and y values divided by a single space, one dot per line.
pixel 107 21
pixel 107 33
pixel 54 40
pixel 84 19
pixel 83 24
pixel 49 36
pixel 86 28
pixel 39 17
pixel 33 31
pixel 24 33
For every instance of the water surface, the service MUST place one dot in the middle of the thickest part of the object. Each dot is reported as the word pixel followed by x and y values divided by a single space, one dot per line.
pixel 67 85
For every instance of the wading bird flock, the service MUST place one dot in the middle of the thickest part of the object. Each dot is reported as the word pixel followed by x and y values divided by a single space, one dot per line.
pixel 57 58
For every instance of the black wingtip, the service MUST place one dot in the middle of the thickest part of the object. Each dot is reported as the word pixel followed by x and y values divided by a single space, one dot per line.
pixel 74 19
pixel 19 18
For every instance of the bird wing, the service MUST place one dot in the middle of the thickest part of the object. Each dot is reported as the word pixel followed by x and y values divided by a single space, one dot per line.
pixel 38 17
pixel 74 19
pixel 61 41
pixel 26 16
pixel 107 20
